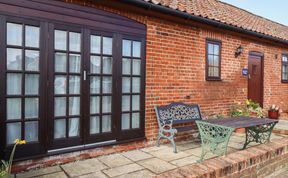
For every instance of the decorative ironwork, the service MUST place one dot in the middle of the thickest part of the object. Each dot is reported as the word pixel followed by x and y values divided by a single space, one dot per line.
pixel 214 138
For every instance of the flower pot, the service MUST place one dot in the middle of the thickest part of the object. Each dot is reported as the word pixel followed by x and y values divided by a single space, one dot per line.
pixel 240 130
pixel 273 114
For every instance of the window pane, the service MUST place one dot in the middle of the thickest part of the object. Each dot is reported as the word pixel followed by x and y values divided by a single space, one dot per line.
pixel 14 59
pixel 60 42
pixel 135 102
pixel 216 61
pixel 60 128
pixel 73 127
pixel 136 49
pixel 74 41
pixel 74 63
pixel 94 85
pixel 13 132
pixel 32 36
pixel 210 60
pixel 31 107
pixel 95 44
pixel 95 62
pixel 31 60
pixel 126 48
pixel 136 67
pixel 106 104
pixel 285 76
pixel 136 84
pixel 135 120
pixel 60 84
pixel 216 72
pixel 125 121
pixel 14 34
pixel 284 58
pixel 126 85
pixel 107 65
pixel 31 84
pixel 94 105
pixel 14 84
pixel 106 123
pixel 31 131
pixel 210 48
pixel 107 85
pixel 74 106
pixel 126 66
pixel 216 49
pixel 60 62
pixel 125 103
pixel 13 108
pixel 107 45
pixel 60 106
pixel 94 125
pixel 210 71
pixel 74 84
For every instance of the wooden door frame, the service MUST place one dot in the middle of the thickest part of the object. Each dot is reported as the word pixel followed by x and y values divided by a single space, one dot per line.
pixel 261 55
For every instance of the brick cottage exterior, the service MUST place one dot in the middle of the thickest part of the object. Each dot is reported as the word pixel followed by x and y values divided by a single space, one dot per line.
pixel 174 36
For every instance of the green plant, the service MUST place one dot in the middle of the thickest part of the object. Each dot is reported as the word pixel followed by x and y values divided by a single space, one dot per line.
pixel 274 108
pixel 245 109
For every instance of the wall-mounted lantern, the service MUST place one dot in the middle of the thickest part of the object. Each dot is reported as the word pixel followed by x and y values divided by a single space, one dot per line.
pixel 238 51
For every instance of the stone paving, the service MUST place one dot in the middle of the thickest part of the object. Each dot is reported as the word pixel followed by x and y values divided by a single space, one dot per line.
pixel 142 163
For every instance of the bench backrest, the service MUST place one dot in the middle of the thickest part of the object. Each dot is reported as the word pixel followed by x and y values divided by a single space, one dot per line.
pixel 178 112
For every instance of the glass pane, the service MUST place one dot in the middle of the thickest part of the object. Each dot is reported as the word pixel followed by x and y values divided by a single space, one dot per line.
pixel 135 120
pixel 60 128
pixel 31 131
pixel 107 65
pixel 94 105
pixel 14 84
pixel 210 71
pixel 60 106
pixel 210 48
pixel 135 102
pixel 13 132
pixel 216 61
pixel 107 85
pixel 136 84
pixel 284 68
pixel 31 60
pixel 94 125
pixel 74 106
pixel 60 84
pixel 74 41
pixel 126 85
pixel 126 48
pixel 106 104
pixel 106 123
pixel 136 49
pixel 126 66
pixel 14 59
pixel 216 72
pixel 95 44
pixel 284 59
pixel 74 84
pixel 94 85
pixel 31 84
pixel 216 50
pixel 125 103
pixel 14 34
pixel 125 121
pixel 136 67
pixel 210 60
pixel 31 107
pixel 285 76
pixel 60 42
pixel 107 45
pixel 74 127
pixel 95 62
pixel 32 36
pixel 74 63
pixel 13 108
pixel 60 62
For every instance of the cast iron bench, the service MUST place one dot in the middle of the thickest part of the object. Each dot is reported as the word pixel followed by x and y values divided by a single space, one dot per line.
pixel 173 114
pixel 215 133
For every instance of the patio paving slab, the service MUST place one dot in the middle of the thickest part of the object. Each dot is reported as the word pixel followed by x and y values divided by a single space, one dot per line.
pixel 97 174
pixel 185 161
pixel 168 154
pixel 83 167
pixel 55 175
pixel 115 160
pixel 39 172
pixel 155 148
pixel 117 171
pixel 157 165
pixel 138 174
pixel 137 155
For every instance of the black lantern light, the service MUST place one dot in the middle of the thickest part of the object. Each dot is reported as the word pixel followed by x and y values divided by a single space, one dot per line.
pixel 238 51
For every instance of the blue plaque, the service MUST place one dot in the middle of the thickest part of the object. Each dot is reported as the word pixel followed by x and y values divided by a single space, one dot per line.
pixel 245 72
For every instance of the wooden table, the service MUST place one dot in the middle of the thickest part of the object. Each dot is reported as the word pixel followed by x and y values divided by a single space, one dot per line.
pixel 215 133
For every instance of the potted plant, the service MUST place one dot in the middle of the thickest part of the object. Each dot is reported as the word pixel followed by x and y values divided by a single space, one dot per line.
pixel 273 112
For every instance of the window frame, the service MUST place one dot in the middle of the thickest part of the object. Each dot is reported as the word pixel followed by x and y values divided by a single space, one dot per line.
pixel 282 64
pixel 214 42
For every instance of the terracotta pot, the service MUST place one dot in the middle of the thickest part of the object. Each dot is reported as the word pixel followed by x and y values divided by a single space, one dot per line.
pixel 240 130
pixel 273 114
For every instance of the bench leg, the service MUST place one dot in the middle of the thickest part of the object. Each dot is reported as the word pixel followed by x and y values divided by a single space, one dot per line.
pixel 174 145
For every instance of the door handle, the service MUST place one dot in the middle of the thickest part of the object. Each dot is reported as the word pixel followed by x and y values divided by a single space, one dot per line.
pixel 249 76
pixel 84 75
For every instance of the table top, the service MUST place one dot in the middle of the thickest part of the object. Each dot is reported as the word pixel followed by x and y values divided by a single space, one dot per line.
pixel 241 122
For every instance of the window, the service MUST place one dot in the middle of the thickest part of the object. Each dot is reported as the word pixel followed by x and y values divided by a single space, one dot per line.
pixel 213 60
pixel 284 68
